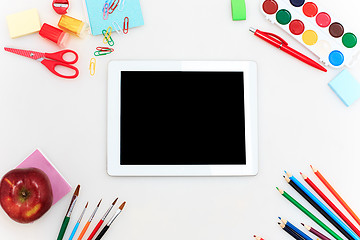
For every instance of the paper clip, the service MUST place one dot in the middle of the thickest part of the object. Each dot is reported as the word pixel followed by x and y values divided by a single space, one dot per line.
pixel 92 66
pixel 126 25
pixel 107 36
pixel 106 11
pixel 106 2
pixel 113 6
pixel 105 49
pixel 117 28
pixel 122 4
pixel 101 51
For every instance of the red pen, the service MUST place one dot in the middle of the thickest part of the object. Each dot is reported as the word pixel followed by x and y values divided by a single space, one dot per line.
pixel 280 43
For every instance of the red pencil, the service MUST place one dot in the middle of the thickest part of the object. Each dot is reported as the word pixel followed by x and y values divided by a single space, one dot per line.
pixel 332 205
pixel 281 44
pixel 336 195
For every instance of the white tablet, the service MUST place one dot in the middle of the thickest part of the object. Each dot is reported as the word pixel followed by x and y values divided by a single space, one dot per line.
pixel 182 118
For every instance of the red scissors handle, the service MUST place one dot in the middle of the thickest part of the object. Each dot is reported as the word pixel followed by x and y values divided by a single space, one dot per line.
pixel 51 65
pixel 59 56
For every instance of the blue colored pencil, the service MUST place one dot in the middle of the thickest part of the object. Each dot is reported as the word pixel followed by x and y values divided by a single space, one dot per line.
pixel 295 229
pixel 78 223
pixel 290 232
pixel 323 207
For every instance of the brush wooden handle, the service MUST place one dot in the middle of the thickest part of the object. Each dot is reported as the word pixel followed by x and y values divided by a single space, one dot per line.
pixel 63 228
pixel 103 231
pixel 95 229
pixel 83 231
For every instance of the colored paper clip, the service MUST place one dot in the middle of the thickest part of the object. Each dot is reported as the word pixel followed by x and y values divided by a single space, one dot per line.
pixel 106 11
pixel 101 51
pixel 113 6
pixel 92 66
pixel 117 28
pixel 126 25
pixel 106 2
pixel 122 5
pixel 107 36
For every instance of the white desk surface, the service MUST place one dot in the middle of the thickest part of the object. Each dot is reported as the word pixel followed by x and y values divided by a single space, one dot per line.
pixel 301 122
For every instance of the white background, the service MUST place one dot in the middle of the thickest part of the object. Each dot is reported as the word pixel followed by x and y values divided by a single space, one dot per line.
pixel 301 122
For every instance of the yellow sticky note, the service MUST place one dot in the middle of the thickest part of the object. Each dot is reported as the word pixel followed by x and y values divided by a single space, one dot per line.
pixel 23 23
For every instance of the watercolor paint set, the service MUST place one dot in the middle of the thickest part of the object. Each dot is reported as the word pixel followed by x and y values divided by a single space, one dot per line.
pixel 315 28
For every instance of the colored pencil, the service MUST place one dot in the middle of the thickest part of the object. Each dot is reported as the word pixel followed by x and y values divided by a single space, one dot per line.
pixel 331 204
pixel 336 195
pixel 103 231
pixel 78 223
pixel 309 214
pixel 325 211
pixel 295 229
pixel 290 232
pixel 88 222
pixel 101 221
pixel 66 220
pixel 316 232
pixel 258 238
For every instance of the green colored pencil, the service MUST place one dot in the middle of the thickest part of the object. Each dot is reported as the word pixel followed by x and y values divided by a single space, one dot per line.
pixel 309 214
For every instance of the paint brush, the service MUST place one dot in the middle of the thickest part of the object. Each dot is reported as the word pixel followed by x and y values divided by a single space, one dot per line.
pixel 78 222
pixel 88 222
pixel 101 221
pixel 68 213
pixel 103 231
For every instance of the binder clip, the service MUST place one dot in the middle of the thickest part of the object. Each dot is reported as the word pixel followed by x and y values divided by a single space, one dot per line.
pixel 60 6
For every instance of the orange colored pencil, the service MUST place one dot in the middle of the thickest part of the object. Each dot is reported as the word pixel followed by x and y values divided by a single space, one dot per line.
pixel 88 222
pixel 336 195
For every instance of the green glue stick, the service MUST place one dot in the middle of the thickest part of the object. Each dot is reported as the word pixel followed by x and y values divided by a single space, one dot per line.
pixel 238 9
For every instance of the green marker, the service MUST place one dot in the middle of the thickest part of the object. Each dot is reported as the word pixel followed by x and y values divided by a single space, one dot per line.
pixel 238 9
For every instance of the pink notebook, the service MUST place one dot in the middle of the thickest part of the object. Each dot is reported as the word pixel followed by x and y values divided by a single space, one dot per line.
pixel 59 185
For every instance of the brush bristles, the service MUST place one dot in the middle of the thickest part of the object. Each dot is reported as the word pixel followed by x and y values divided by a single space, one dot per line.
pixel 76 193
pixel 114 201
pixel 122 206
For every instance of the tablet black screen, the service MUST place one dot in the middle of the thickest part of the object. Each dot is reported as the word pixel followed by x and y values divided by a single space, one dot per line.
pixel 182 118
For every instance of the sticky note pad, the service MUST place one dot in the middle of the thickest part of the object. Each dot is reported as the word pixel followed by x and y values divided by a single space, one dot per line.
pixel 346 87
pixel 23 23
pixel 238 9
pixel 58 184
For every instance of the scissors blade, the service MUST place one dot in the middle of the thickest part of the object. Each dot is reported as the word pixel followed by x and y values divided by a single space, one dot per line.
pixel 26 53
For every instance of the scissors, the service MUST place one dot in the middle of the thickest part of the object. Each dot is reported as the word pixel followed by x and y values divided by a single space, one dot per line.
pixel 57 59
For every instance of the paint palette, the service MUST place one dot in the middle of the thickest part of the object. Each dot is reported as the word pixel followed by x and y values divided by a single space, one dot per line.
pixel 315 28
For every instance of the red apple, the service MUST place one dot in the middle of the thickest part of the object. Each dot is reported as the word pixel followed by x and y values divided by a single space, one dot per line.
pixel 25 194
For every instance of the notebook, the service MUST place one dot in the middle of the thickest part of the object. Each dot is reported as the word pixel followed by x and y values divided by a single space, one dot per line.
pixel 125 8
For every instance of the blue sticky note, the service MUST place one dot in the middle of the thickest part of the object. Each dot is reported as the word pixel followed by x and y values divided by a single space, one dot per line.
pixel 346 87
pixel 129 8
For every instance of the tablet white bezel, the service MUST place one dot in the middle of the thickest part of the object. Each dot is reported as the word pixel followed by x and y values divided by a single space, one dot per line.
pixel 114 168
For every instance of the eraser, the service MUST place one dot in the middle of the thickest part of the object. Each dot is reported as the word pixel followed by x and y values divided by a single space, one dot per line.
pixel 23 23
pixel 238 10
pixel 346 87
